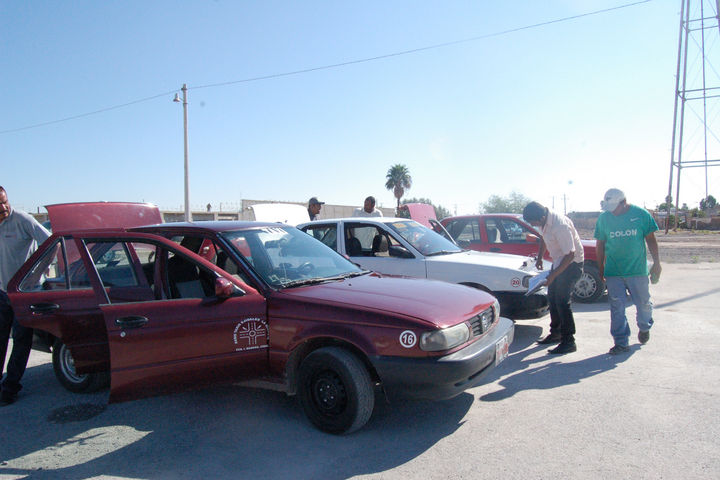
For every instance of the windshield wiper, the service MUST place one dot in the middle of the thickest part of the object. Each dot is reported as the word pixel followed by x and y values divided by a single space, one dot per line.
pixel 314 281
pixel 442 252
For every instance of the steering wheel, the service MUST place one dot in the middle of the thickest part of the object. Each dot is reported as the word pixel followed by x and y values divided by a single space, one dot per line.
pixel 305 268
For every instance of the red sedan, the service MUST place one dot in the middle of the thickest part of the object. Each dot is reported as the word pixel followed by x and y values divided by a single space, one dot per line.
pixel 160 308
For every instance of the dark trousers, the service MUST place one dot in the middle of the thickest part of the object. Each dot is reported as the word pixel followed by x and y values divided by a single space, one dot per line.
pixel 22 343
pixel 561 315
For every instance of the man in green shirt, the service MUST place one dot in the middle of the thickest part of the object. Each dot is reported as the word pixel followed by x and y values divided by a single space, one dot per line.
pixel 622 231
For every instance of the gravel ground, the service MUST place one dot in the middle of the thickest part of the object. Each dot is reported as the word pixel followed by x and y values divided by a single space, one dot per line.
pixel 689 247
pixel 683 246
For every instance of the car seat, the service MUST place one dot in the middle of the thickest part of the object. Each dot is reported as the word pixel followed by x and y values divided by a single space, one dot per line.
pixel 380 246
pixel 492 235
pixel 354 247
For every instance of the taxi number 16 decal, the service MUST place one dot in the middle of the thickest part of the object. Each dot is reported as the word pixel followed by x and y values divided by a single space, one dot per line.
pixel 408 339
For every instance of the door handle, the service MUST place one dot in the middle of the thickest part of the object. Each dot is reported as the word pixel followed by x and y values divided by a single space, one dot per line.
pixel 42 308
pixel 131 321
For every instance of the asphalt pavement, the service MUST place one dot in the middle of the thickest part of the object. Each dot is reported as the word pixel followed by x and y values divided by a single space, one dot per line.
pixel 649 414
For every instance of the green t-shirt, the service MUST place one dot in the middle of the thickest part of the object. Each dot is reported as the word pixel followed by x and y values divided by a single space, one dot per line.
pixel 624 237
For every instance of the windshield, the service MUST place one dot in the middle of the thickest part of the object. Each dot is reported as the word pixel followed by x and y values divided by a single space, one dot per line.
pixel 285 256
pixel 423 239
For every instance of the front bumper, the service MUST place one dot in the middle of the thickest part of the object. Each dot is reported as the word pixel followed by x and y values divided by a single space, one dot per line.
pixel 517 305
pixel 445 377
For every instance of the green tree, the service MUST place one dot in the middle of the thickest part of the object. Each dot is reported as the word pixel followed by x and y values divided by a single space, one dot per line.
pixel 398 180
pixel 513 203
pixel 708 203
pixel 440 211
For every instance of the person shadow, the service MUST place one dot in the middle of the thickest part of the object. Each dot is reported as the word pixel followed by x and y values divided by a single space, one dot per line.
pixel 551 373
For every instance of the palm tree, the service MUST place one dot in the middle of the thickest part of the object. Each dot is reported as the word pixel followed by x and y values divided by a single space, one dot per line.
pixel 398 180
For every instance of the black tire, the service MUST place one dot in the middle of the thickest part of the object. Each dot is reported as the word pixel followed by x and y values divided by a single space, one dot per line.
pixel 590 287
pixel 336 390
pixel 64 367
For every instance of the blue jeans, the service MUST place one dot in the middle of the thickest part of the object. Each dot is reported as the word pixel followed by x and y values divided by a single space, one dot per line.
pixel 22 343
pixel 562 320
pixel 639 288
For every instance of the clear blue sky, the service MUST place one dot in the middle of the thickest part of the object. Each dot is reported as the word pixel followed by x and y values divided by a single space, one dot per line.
pixel 565 109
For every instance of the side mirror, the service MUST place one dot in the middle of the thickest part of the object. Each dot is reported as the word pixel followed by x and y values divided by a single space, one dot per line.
pixel 224 288
pixel 400 252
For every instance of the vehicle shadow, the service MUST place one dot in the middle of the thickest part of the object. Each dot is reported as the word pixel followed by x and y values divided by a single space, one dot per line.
pixel 221 432
pixel 551 373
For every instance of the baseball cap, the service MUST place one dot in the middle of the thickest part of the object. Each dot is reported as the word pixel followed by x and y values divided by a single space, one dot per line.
pixel 315 201
pixel 612 199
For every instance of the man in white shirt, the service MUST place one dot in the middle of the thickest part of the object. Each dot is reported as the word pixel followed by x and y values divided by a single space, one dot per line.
pixel 368 209
pixel 20 235
pixel 563 244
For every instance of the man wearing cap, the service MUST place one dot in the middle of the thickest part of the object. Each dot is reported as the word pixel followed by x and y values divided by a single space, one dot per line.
pixel 314 206
pixel 20 234
pixel 563 244
pixel 622 231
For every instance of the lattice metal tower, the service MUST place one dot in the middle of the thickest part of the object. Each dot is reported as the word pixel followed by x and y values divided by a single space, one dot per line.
pixel 696 123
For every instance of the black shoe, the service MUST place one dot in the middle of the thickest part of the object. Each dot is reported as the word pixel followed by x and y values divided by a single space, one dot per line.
pixel 563 348
pixel 6 398
pixel 619 349
pixel 550 339
pixel 643 337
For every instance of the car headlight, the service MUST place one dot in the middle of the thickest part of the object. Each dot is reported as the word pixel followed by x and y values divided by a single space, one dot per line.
pixel 496 309
pixel 445 339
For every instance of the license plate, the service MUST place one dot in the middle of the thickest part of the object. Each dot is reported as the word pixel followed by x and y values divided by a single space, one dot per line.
pixel 502 348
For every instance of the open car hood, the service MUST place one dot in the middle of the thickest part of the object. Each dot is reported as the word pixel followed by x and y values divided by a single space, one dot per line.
pixel 287 213
pixel 94 215
pixel 421 213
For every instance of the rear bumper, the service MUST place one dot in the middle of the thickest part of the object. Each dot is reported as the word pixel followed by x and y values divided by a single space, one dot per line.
pixel 442 377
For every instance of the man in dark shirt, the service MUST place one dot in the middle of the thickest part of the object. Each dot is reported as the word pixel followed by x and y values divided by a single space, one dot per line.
pixel 314 206
pixel 20 235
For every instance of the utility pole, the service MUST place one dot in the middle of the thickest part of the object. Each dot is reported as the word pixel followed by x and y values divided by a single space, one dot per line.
pixel 185 137
pixel 699 21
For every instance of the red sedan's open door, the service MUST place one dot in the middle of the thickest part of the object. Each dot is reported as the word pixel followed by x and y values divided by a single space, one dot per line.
pixel 198 326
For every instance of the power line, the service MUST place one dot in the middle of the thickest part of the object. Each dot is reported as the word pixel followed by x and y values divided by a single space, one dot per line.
pixel 335 65
pixel 81 115
pixel 420 49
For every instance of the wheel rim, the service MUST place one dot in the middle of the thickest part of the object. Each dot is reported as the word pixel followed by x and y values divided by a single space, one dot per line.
pixel 67 366
pixel 328 393
pixel 586 286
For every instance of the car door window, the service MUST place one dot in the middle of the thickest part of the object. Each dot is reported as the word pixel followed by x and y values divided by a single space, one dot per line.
pixel 113 264
pixel 126 269
pixel 514 232
pixel 359 239
pixel 60 268
pixel 51 271
pixel 466 231
pixel 327 234
pixel 227 263
pixel 214 253
pixel 495 231
pixel 188 279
